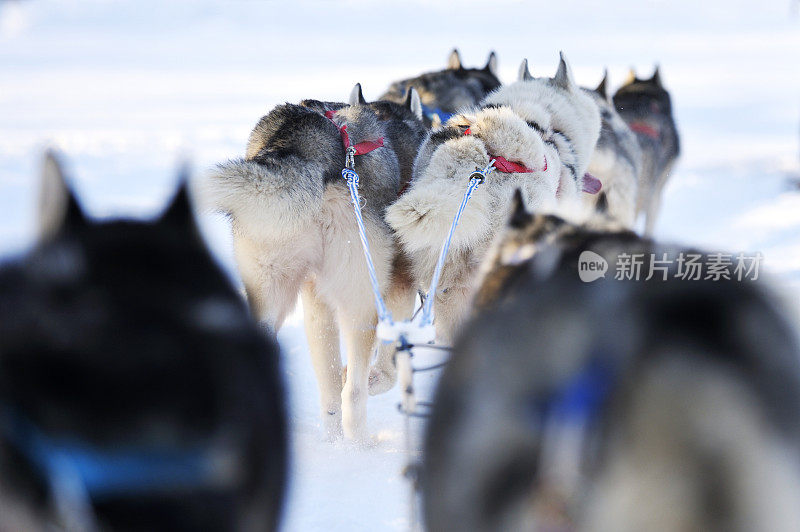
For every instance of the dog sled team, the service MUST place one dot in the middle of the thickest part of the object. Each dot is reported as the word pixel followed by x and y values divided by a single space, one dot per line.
pixel 139 394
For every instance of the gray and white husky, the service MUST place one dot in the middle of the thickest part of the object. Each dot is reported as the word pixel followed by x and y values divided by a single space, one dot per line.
pixel 295 232
pixel 548 125
pixel 444 92
pixel 403 124
pixel 614 405
pixel 616 162
pixel 646 107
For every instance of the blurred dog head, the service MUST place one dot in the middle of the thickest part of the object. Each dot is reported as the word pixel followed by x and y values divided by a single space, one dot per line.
pixel 127 357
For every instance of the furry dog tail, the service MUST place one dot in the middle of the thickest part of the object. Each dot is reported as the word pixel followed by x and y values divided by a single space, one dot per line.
pixel 265 196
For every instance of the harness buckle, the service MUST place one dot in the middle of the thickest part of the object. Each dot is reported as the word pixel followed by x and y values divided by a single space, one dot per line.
pixel 350 157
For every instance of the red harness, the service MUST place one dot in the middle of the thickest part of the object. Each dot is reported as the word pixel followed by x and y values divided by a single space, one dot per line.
pixel 362 147
pixel 645 129
pixel 501 164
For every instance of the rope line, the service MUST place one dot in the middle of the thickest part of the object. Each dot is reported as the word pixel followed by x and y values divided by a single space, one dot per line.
pixel 475 179
pixel 352 178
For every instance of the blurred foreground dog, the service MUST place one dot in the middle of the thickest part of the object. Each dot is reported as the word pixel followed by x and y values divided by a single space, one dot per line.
pixel 445 92
pixel 646 107
pixel 135 391
pixel 614 405
pixel 295 232
pixel 541 132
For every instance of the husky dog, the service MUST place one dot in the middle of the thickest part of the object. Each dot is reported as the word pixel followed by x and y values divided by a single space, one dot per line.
pixel 444 92
pixel 613 405
pixel 405 131
pixel 295 232
pixel 616 162
pixel 547 126
pixel 564 116
pixel 404 127
pixel 646 107
pixel 136 392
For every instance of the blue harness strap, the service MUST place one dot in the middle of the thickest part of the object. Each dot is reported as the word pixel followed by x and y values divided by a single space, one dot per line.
pixel 432 112
pixel 582 396
pixel 79 473
pixel 352 178
pixel 475 179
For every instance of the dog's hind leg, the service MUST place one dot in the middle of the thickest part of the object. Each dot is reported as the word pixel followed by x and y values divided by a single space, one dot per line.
pixel 272 275
pixel 450 311
pixel 322 332
pixel 359 336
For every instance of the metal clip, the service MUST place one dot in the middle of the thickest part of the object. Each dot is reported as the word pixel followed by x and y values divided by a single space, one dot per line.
pixel 350 157
pixel 477 174
pixel 480 175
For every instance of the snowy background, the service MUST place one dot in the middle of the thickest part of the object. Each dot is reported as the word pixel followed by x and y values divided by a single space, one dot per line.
pixel 127 90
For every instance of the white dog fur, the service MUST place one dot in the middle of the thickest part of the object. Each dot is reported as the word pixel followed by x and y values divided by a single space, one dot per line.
pixel 422 216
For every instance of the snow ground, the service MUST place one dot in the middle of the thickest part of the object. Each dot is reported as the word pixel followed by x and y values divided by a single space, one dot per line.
pixel 129 89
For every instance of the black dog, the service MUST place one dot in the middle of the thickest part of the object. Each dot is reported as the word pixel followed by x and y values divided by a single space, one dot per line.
pixel 135 391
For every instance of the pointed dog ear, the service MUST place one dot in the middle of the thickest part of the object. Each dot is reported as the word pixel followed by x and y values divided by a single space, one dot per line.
pixel 491 64
pixel 564 74
pixel 524 73
pixel 356 96
pixel 454 61
pixel 413 103
pixel 58 207
pixel 520 217
pixel 179 212
pixel 602 88
pixel 656 79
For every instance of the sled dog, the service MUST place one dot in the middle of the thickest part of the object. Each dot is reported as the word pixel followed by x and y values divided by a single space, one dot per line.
pixel 616 162
pixel 445 92
pixel 613 405
pixel 646 107
pixel 137 393
pixel 295 232
pixel 540 132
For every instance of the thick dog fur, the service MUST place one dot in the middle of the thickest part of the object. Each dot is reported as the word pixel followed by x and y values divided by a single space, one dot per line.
pixel 403 127
pixel 125 335
pixel 448 90
pixel 616 162
pixel 693 423
pixel 647 104
pixel 562 114
pixel 522 125
pixel 295 232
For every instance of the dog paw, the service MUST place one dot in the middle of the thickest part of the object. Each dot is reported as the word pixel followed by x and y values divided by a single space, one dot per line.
pixel 381 380
pixel 332 426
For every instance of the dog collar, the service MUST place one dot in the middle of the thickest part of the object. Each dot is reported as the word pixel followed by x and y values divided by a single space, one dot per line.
pixel 362 147
pixel 645 129
pixel 501 164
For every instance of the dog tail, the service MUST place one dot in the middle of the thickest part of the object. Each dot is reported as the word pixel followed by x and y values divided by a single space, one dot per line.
pixel 274 196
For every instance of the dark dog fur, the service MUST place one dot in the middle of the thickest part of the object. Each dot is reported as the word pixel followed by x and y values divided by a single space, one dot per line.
pixel 126 334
